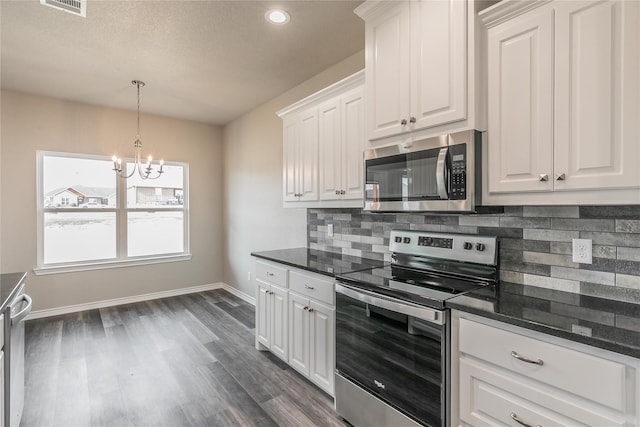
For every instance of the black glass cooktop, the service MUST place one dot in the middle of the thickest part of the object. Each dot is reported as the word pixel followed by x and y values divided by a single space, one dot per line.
pixel 420 287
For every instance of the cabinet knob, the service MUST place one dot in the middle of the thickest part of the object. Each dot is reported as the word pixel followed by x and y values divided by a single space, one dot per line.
pixel 306 307
pixel 560 177
pixel 544 177
pixel 412 120
pixel 310 310
pixel 343 192
pixel 403 122
pixel 337 192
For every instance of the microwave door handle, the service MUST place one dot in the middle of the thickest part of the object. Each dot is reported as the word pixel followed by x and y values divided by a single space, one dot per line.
pixel 441 171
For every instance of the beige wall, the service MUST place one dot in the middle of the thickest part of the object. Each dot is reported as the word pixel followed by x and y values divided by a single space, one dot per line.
pixel 31 123
pixel 254 218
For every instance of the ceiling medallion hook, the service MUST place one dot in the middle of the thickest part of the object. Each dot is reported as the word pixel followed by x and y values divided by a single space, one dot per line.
pixel 146 170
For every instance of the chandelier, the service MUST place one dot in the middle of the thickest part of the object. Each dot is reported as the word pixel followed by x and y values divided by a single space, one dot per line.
pixel 145 171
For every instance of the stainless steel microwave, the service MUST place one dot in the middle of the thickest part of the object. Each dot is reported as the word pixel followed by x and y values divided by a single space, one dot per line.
pixel 436 174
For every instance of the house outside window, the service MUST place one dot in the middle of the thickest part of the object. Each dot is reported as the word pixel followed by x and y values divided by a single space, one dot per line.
pixel 90 218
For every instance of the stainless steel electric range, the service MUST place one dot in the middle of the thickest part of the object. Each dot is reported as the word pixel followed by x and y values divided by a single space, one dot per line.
pixel 393 327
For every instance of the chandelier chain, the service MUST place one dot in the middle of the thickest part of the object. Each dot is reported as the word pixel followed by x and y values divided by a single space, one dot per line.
pixel 143 171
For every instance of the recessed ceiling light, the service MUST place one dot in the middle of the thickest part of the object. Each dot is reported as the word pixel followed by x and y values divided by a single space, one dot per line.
pixel 277 16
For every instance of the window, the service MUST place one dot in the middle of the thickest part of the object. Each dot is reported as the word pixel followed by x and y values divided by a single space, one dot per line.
pixel 90 218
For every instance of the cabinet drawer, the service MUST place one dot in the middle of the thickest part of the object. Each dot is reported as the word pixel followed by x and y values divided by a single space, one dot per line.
pixel 271 273
pixel 493 396
pixel 313 287
pixel 591 377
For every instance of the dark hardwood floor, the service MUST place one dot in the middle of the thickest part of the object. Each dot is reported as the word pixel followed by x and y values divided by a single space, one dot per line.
pixel 183 361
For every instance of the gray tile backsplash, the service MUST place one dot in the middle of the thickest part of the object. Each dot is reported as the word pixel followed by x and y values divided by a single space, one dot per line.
pixel 535 242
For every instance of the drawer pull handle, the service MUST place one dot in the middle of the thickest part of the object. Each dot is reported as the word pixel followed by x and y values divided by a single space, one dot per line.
pixel 309 287
pixel 269 274
pixel 515 418
pixel 524 359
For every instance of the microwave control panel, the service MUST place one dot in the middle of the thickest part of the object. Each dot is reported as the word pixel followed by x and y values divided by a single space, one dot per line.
pixel 458 155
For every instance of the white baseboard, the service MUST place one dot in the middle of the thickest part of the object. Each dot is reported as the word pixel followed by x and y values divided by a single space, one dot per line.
pixel 38 314
pixel 237 292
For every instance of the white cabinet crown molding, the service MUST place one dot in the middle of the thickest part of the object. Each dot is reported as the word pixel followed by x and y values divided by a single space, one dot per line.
pixel 506 10
pixel 337 88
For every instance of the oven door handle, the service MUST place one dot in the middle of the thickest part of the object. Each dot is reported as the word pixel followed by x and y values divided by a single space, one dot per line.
pixel 441 174
pixel 392 304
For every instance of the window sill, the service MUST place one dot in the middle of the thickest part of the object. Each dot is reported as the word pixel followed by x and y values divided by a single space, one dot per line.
pixel 72 268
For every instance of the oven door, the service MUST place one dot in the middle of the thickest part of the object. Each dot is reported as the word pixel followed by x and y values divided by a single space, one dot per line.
pixel 394 350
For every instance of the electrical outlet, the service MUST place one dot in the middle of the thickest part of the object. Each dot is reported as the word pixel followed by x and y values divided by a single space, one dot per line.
pixel 329 230
pixel 582 251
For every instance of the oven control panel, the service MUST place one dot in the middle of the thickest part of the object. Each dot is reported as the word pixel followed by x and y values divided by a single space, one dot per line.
pixel 435 242
pixel 459 247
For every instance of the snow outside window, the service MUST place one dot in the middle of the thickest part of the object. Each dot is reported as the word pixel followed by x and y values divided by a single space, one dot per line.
pixel 89 216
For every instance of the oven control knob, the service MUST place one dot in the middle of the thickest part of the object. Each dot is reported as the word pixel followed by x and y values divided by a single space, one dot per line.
pixel 407 239
pixel 398 239
pixel 468 245
pixel 480 247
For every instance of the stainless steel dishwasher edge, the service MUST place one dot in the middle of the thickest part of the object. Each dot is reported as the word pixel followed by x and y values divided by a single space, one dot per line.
pixel 15 315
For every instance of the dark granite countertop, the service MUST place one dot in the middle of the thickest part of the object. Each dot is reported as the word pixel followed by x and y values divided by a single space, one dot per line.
pixel 607 324
pixel 9 286
pixel 327 263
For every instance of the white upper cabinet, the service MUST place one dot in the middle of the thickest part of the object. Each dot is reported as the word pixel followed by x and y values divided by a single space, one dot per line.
pixel 418 62
pixel 563 102
pixel 300 151
pixel 597 125
pixel 324 140
pixel 341 142
pixel 387 71
pixel 520 86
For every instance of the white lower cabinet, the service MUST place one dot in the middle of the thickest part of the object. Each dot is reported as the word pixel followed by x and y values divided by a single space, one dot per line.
pixel 505 375
pixel 271 329
pixel 311 333
pixel 297 322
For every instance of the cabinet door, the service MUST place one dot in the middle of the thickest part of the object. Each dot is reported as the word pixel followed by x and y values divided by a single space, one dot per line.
pixel 279 319
pixel 597 125
pixel 322 339
pixel 308 156
pixel 263 314
pixel 290 158
pixel 329 143
pixel 387 71
pixel 438 62
pixel 520 95
pixel 353 142
pixel 299 333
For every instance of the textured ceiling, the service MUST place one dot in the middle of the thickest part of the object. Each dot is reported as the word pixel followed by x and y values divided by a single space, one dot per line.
pixel 209 61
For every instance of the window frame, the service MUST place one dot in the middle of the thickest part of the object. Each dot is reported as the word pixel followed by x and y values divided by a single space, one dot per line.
pixel 121 211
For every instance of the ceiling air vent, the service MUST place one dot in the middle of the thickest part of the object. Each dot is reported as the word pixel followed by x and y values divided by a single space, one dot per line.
pixel 77 7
